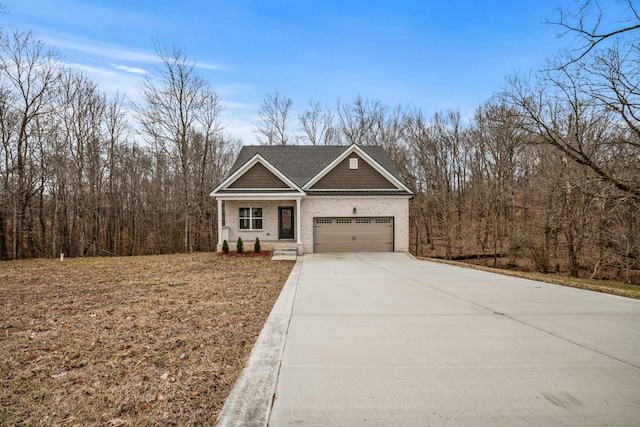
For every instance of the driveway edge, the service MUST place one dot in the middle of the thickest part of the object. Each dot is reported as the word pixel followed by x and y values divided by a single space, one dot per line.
pixel 250 400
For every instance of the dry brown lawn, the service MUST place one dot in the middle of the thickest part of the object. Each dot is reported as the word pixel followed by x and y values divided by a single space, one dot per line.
pixel 156 340
pixel 605 286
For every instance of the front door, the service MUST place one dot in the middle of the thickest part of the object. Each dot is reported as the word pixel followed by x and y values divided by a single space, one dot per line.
pixel 285 223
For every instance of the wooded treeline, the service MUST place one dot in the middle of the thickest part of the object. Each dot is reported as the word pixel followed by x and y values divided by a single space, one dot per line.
pixel 76 179
pixel 545 175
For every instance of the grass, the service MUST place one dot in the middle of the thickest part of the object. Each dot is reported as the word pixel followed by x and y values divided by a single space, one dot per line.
pixel 154 340
pixel 604 286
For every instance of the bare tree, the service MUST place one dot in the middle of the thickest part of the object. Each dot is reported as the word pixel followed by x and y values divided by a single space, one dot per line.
pixel 496 157
pixel 178 104
pixel 358 121
pixel 83 121
pixel 29 73
pixel 117 129
pixel 591 26
pixel 595 79
pixel 317 125
pixel 272 124
pixel 561 113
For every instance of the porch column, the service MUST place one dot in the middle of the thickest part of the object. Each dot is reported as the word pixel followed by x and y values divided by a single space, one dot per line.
pixel 299 242
pixel 219 221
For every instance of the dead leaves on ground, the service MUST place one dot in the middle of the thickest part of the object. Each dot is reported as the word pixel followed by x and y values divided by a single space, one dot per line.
pixel 121 341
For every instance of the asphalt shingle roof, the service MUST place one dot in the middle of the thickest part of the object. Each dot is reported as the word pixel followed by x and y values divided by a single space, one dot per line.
pixel 300 163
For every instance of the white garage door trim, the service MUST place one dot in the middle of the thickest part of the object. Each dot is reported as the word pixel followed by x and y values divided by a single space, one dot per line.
pixel 339 234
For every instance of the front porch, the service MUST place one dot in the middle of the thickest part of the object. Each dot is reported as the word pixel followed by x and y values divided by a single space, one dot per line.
pixel 274 221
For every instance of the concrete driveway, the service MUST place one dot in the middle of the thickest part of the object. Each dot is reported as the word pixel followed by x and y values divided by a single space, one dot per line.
pixel 386 340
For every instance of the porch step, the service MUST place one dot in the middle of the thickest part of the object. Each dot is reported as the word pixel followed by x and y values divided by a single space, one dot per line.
pixel 285 254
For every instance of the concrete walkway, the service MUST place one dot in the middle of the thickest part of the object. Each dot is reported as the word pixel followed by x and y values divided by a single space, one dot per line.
pixel 385 340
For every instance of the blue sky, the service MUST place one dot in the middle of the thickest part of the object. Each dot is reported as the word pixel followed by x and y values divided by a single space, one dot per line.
pixel 431 55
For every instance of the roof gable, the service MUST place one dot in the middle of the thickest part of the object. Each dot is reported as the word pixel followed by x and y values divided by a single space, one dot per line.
pixel 372 169
pixel 344 176
pixel 256 174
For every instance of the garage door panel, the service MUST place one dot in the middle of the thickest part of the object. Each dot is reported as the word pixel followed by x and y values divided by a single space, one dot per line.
pixel 353 234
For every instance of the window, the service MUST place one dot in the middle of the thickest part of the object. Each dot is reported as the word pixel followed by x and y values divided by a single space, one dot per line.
pixel 353 163
pixel 250 218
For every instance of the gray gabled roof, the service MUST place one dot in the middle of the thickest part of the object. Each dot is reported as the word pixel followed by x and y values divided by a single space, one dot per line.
pixel 300 163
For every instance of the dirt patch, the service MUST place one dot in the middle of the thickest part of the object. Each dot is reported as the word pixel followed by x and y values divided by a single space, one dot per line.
pixel 122 341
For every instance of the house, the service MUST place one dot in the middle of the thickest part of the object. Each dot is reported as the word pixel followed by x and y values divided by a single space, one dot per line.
pixel 314 199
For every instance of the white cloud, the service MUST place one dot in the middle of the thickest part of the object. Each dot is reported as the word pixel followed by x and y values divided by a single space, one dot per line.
pixel 213 67
pixel 121 53
pixel 95 48
pixel 133 70
pixel 110 80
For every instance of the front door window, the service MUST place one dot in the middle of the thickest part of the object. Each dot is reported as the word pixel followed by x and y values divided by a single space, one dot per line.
pixel 285 223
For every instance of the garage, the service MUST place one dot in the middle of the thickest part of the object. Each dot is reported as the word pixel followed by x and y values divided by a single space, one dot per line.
pixel 353 234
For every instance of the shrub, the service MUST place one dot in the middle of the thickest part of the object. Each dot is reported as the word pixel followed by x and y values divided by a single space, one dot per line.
pixel 540 257
pixel 239 247
pixel 256 246
pixel 225 247
pixel 511 265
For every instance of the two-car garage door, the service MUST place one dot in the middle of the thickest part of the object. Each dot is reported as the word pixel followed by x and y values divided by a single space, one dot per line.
pixel 353 234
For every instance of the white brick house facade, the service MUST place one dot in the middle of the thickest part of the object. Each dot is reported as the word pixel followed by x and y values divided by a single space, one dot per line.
pixel 276 194
pixel 319 207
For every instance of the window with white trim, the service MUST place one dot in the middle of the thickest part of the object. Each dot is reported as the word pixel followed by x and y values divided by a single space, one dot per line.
pixel 250 218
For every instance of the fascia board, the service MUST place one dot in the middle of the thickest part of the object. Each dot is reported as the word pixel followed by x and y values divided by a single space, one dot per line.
pixel 355 190
pixel 258 196
pixel 359 196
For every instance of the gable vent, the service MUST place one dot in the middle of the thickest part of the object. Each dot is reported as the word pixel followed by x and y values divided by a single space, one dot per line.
pixel 353 163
